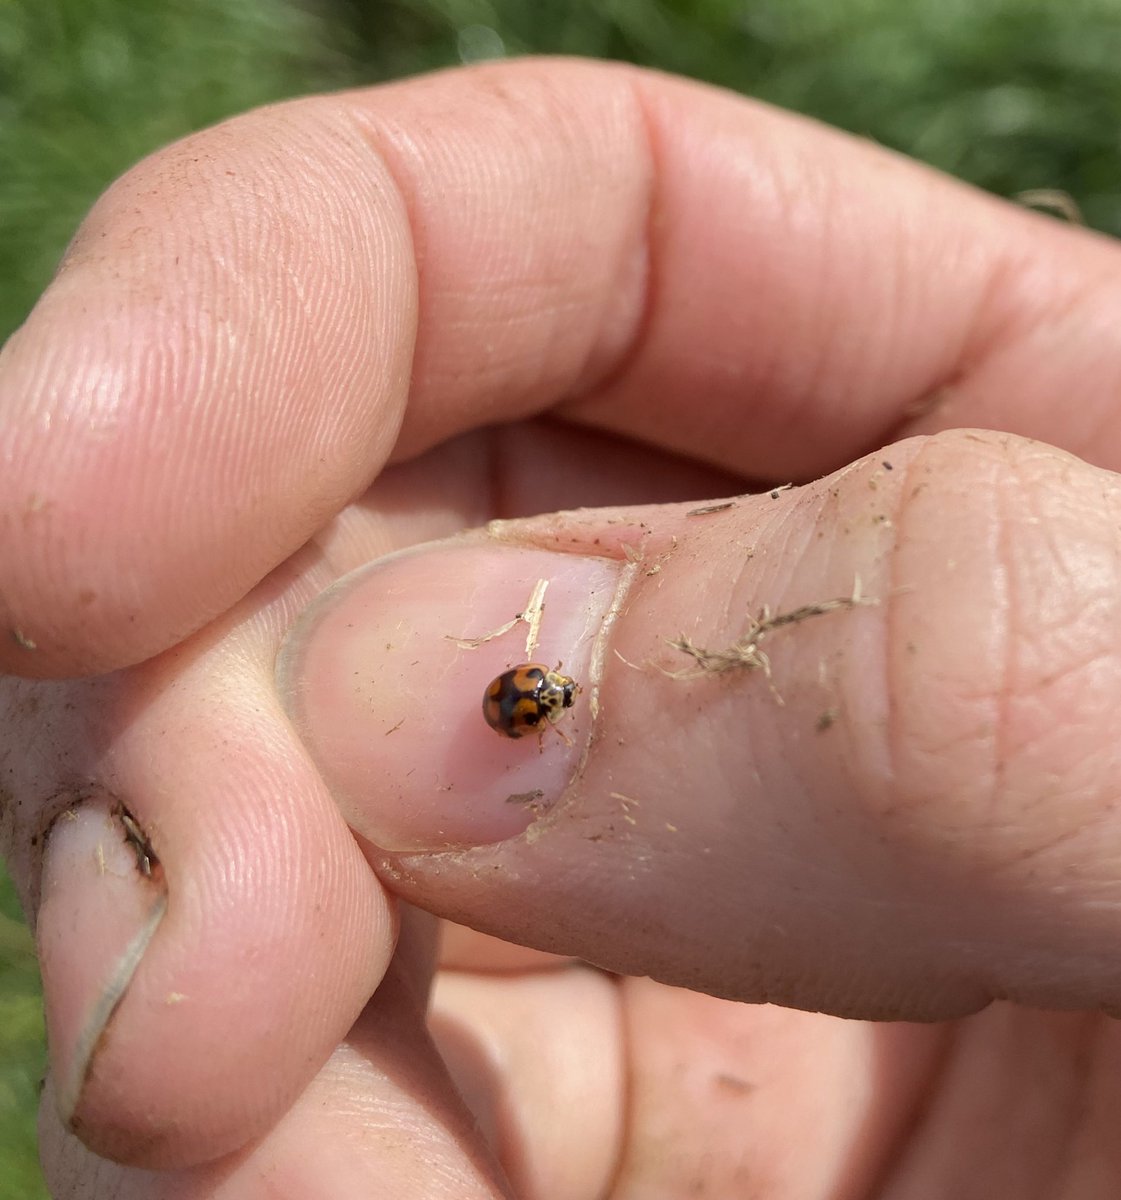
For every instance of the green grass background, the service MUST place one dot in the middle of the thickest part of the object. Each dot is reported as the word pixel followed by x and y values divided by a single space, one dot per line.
pixel 1011 94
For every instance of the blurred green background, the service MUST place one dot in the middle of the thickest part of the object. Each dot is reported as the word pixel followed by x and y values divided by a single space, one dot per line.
pixel 1011 94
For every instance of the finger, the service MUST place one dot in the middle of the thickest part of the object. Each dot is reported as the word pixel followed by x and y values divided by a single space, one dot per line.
pixel 341 1137
pixel 541 1059
pixel 194 885
pixel 755 1078
pixel 466 949
pixel 924 822
pixel 207 929
pixel 225 356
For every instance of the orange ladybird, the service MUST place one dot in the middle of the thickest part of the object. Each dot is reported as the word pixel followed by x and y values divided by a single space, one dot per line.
pixel 525 698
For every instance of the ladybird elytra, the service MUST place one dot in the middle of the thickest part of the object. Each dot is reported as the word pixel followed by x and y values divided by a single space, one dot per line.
pixel 522 699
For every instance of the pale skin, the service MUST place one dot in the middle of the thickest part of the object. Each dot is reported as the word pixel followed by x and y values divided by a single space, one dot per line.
pixel 345 326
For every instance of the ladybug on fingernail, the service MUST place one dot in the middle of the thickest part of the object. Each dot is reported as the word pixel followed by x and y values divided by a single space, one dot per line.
pixel 528 699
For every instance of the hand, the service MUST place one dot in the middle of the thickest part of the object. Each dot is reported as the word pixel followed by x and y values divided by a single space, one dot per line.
pixel 340 327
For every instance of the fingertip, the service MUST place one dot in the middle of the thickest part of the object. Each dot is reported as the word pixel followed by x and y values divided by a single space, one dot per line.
pixel 834 761
pixel 101 905
pixel 394 711
pixel 165 429
pixel 180 1033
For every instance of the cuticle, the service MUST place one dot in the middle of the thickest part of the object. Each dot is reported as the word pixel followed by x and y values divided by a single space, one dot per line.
pixel 521 533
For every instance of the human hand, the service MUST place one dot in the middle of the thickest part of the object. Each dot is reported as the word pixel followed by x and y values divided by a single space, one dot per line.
pixel 336 328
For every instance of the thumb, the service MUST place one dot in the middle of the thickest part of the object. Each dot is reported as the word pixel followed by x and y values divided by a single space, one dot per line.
pixel 897 803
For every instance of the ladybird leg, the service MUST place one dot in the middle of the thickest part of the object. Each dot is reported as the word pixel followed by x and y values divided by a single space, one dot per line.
pixel 559 732
pixel 542 730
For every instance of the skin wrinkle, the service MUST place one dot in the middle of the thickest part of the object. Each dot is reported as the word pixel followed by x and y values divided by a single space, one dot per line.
pixel 885 766
pixel 1016 493
pixel 979 340
pixel 1063 307
pixel 1018 304
pixel 1008 310
pixel 1004 577
pixel 983 327
pixel 988 787
pixel 1086 823
pixel 788 190
pixel 1070 1114
pixel 925 1099
pixel 373 138
pixel 819 373
pixel 1102 428
pixel 1078 1106
pixel 899 311
pixel 1020 861
pixel 1018 855
pixel 615 1178
pixel 895 646
pixel 382 142
pixel 993 313
pixel 649 248
pixel 1043 532
pixel 908 310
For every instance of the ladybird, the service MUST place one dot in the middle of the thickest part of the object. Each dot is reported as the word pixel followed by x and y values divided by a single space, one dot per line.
pixel 527 699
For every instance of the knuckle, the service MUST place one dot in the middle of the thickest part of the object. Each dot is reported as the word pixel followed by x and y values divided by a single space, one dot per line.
pixel 1005 643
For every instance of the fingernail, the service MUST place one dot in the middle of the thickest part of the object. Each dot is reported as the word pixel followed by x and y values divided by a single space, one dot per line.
pixel 97 915
pixel 384 678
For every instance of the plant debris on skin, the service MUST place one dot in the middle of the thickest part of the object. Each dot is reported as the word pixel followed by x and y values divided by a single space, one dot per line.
pixel 745 653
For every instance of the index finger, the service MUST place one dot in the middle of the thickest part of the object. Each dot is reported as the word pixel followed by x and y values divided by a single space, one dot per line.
pixel 226 355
